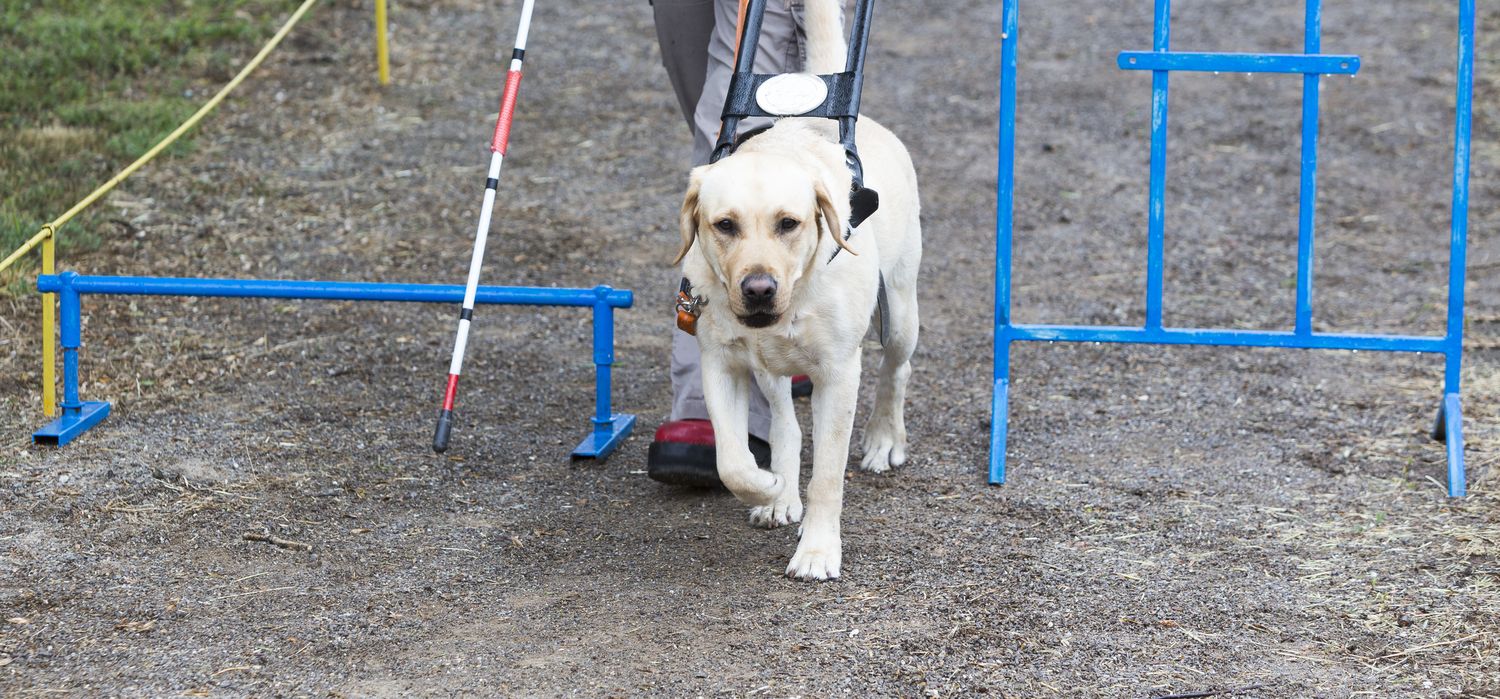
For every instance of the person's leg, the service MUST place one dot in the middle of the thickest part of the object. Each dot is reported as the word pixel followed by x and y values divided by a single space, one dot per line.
pixel 778 51
pixel 697 39
pixel 683 28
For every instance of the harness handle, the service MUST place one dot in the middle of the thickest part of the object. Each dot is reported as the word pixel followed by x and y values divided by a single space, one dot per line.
pixel 843 95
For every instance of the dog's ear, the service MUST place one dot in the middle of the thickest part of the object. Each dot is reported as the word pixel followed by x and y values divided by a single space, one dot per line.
pixel 830 216
pixel 687 221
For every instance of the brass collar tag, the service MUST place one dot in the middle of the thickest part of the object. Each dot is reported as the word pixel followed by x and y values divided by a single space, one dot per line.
pixel 688 308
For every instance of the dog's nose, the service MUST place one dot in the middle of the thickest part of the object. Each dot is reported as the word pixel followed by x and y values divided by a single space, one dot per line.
pixel 758 288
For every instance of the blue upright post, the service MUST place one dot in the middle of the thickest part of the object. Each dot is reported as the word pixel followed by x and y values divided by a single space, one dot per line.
pixel 1308 197
pixel 1451 419
pixel 71 335
pixel 609 429
pixel 1004 220
pixel 1156 234
pixel 77 415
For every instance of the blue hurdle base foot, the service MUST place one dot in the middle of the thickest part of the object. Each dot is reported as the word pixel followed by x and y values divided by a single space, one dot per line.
pixel 1450 430
pixel 74 422
pixel 999 416
pixel 605 438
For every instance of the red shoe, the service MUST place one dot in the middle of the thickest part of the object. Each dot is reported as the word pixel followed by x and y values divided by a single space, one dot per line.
pixel 683 454
pixel 801 386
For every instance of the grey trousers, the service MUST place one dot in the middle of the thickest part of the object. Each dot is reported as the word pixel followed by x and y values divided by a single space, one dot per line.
pixel 697 40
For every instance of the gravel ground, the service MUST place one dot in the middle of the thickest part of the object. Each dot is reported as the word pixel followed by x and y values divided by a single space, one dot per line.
pixel 1255 523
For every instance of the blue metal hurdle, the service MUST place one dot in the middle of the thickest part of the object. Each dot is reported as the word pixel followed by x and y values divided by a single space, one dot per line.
pixel 608 429
pixel 1162 61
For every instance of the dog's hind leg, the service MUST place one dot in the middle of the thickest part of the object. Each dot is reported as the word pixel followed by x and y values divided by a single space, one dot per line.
pixel 786 454
pixel 820 551
pixel 885 431
pixel 726 393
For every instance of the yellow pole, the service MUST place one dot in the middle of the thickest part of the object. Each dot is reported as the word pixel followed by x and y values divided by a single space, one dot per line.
pixel 382 50
pixel 49 329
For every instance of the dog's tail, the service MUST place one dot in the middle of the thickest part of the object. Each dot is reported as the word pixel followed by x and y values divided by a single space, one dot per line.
pixel 826 50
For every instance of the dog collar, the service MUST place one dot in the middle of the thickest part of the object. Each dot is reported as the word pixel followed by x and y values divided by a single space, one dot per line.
pixel 689 307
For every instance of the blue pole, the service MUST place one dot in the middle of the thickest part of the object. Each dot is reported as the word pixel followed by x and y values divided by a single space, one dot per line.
pixel 1238 338
pixel 1160 42
pixel 1004 226
pixel 71 334
pixel 1005 194
pixel 1308 198
pixel 338 291
pixel 1452 410
pixel 77 415
pixel 1459 231
pixel 1239 62
pixel 604 356
pixel 609 429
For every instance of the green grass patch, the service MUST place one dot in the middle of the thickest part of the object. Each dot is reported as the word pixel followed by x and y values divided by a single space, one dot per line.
pixel 87 86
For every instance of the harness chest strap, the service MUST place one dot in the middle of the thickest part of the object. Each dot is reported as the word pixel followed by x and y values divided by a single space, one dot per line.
pixel 863 201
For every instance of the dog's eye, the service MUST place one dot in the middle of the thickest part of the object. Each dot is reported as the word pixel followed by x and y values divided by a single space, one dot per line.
pixel 724 225
pixel 789 224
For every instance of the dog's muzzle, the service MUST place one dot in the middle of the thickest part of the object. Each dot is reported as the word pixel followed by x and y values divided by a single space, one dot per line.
pixel 760 320
pixel 758 298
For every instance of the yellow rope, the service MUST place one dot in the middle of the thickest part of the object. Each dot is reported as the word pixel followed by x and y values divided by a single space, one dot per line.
pixel 43 234
pixel 50 229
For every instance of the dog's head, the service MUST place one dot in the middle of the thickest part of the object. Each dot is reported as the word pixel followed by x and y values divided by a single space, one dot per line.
pixel 758 219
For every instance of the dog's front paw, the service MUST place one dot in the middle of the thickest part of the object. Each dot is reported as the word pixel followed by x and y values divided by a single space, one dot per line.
pixel 816 560
pixel 884 447
pixel 784 511
pixel 756 488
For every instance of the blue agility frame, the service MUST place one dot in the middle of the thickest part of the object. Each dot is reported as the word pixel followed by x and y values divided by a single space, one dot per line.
pixel 1161 61
pixel 608 430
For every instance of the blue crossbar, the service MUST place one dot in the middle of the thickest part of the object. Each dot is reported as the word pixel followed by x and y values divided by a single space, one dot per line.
pixel 1239 62
pixel 608 429
pixel 333 291
pixel 1312 64
pixel 1228 338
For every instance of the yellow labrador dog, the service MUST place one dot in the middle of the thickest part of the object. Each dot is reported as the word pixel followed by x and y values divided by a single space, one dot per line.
pixel 760 229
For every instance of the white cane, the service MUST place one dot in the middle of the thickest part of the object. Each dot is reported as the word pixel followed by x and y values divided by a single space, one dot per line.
pixel 497 150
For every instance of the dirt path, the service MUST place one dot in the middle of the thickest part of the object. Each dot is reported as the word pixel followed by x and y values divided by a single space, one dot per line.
pixel 1176 520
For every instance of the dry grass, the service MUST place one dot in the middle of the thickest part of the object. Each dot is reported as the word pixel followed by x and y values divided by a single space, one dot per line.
pixel 1420 582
